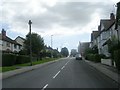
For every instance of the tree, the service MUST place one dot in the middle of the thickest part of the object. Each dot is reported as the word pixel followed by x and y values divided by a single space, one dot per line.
pixel 64 52
pixel 73 52
pixel 113 45
pixel 93 50
pixel 37 44
pixel 56 53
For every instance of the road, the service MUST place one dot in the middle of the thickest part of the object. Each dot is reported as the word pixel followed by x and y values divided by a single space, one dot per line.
pixel 66 73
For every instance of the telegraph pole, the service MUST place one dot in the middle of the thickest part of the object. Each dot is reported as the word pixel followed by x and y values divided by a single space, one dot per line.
pixel 30 42
pixel 51 47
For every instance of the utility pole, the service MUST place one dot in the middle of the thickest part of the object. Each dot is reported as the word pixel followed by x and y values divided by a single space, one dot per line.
pixel 51 46
pixel 30 42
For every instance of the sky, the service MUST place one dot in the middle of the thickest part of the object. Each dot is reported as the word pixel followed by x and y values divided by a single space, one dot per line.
pixel 67 21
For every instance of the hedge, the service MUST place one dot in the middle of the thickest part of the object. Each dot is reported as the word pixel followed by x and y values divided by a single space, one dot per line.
pixel 12 59
pixel 117 58
pixel 22 59
pixel 8 59
pixel 94 57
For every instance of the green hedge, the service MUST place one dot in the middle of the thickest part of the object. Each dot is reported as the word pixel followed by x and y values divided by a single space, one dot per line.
pixel 22 59
pixel 94 57
pixel 12 59
pixel 8 59
pixel 117 58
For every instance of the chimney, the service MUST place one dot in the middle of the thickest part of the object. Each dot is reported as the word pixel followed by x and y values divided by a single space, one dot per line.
pixel 112 17
pixel 3 33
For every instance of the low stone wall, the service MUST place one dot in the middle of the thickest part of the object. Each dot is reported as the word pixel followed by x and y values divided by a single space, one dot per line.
pixel 107 62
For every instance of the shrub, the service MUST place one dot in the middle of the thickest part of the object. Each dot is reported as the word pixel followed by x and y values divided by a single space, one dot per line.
pixel 102 56
pixel 94 57
pixel 22 52
pixel 8 59
pixel 97 58
pixel 117 58
pixel 22 59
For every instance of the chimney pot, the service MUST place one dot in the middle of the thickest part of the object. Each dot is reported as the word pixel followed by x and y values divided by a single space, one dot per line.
pixel 3 33
pixel 112 16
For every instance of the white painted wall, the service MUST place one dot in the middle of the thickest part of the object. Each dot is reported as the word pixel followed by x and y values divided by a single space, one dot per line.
pixel 1 45
pixel 20 41
pixel 5 47
pixel 17 48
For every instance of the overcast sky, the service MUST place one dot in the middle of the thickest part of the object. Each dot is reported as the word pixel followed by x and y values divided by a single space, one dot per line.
pixel 69 21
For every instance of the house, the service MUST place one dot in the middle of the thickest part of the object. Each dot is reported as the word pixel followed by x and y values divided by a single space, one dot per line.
pixel 7 44
pixel 94 40
pixel 20 41
pixel 107 31
pixel 117 24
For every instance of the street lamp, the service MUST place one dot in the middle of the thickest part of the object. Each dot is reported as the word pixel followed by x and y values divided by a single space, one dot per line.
pixel 51 46
pixel 30 22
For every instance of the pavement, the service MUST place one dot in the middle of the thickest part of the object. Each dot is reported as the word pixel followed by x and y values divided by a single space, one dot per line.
pixel 107 70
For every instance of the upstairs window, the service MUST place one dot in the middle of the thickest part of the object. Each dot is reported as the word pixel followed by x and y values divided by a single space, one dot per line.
pixel 8 44
pixel 15 46
pixel 1 42
pixel 19 47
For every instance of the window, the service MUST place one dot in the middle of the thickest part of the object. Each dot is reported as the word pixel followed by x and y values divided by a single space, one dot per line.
pixel 15 46
pixel 1 42
pixel 19 47
pixel 8 44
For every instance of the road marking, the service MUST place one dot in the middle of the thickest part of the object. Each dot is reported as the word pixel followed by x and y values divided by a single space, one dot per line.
pixel 67 62
pixel 56 74
pixel 63 67
pixel 45 87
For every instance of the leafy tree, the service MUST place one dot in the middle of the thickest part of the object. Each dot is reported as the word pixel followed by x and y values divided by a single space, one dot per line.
pixel 113 45
pixel 55 53
pixel 64 52
pixel 37 44
pixel 93 50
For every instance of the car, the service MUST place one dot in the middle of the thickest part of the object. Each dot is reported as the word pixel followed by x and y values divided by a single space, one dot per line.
pixel 78 57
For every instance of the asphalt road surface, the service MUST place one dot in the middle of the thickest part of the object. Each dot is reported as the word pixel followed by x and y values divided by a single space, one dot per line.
pixel 66 73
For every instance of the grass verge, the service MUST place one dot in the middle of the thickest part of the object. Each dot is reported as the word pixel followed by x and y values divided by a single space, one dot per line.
pixel 9 68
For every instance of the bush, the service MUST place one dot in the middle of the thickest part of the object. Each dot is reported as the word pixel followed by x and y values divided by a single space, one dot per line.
pixel 117 58
pixel 102 56
pixel 97 58
pixel 22 59
pixel 8 59
pixel 22 52
pixel 93 57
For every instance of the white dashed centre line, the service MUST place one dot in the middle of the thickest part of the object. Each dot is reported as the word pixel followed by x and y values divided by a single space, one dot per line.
pixel 56 74
pixel 67 63
pixel 45 87
pixel 63 67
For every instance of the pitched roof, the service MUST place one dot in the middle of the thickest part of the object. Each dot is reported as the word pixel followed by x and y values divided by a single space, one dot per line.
pixel 8 40
pixel 20 37
pixel 94 35
pixel 107 23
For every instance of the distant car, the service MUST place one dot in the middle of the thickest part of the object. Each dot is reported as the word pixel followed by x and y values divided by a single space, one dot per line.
pixel 78 57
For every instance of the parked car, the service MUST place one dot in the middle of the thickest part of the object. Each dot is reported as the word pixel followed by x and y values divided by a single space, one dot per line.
pixel 78 57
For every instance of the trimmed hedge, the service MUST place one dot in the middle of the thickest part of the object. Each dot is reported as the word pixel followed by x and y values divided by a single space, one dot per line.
pixel 22 59
pixel 117 58
pixel 8 59
pixel 94 57
pixel 12 59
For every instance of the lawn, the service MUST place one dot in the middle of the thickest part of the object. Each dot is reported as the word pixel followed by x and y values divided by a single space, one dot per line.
pixel 9 68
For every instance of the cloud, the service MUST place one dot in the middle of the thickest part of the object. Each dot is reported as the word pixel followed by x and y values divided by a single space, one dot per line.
pixel 54 17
